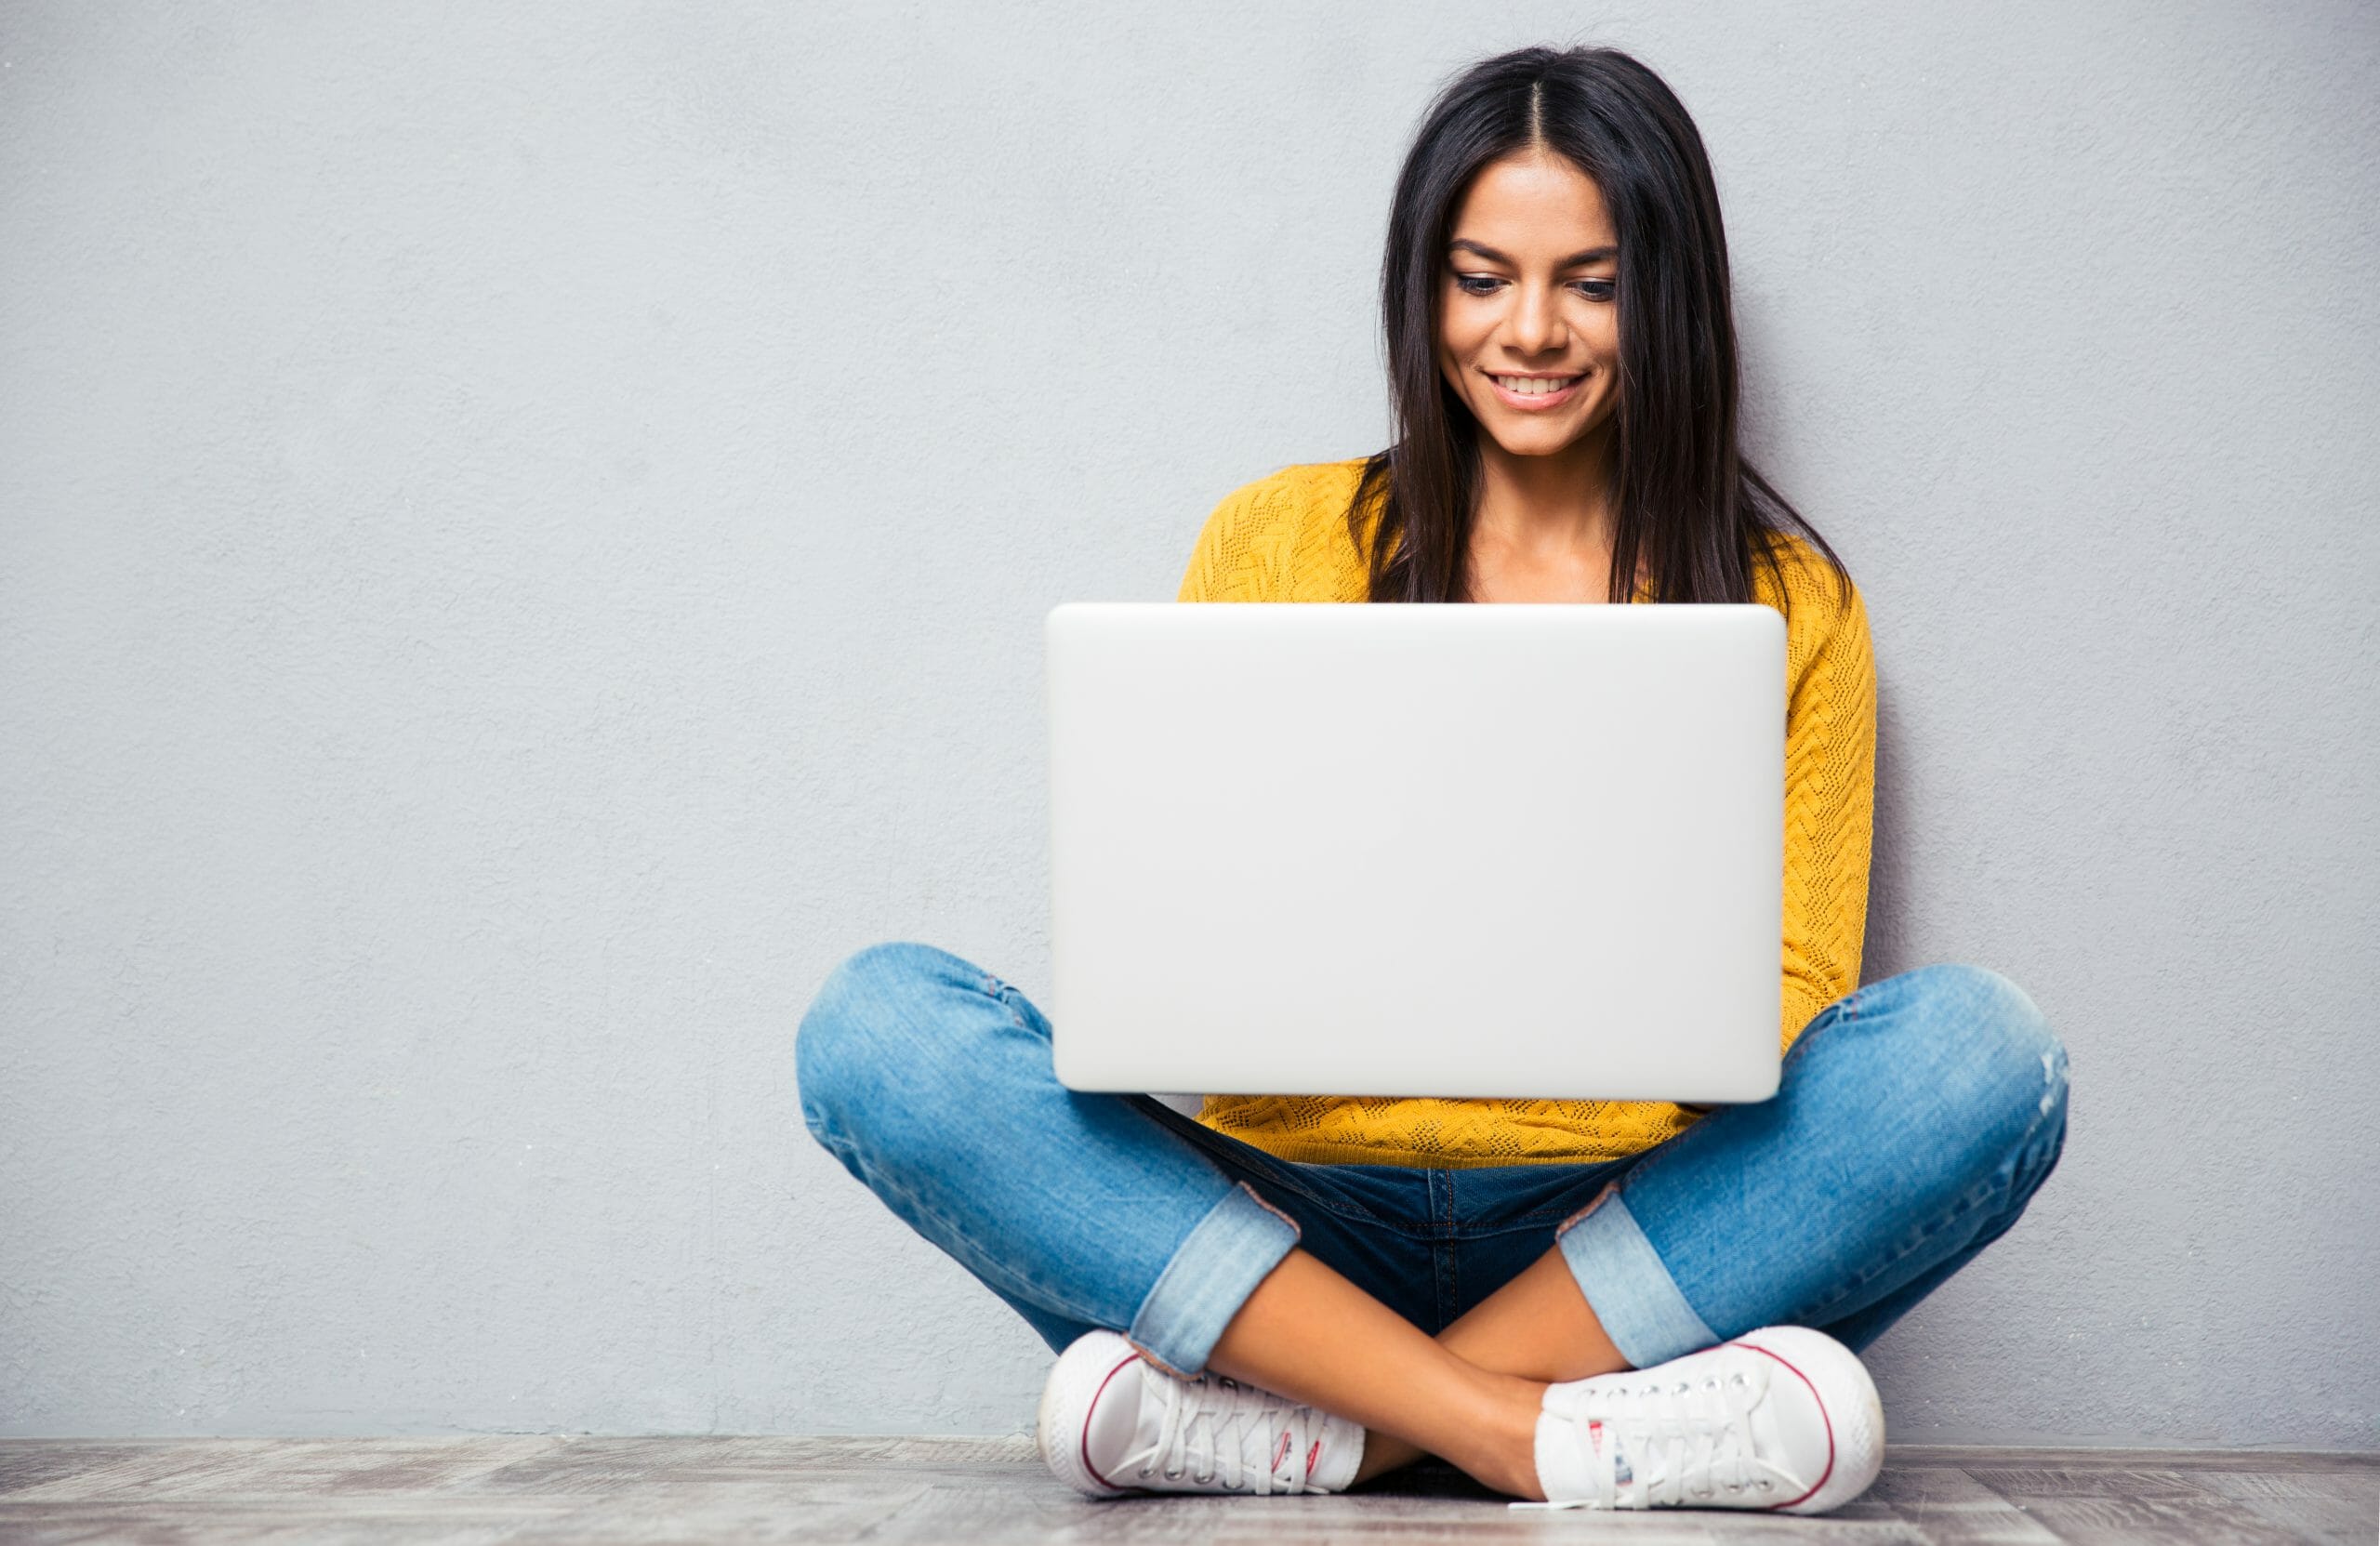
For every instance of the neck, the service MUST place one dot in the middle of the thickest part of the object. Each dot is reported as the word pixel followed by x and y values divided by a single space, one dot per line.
pixel 1555 504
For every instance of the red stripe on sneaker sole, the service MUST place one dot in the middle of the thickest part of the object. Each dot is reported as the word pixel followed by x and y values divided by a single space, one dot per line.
pixel 1822 1416
pixel 1112 1373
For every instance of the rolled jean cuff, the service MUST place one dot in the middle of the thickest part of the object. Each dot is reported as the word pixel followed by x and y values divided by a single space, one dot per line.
pixel 1210 1276
pixel 1630 1290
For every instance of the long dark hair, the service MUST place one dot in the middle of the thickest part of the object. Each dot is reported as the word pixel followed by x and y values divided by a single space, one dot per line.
pixel 1687 506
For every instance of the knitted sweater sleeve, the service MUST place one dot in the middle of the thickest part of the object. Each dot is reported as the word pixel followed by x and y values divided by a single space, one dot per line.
pixel 1829 796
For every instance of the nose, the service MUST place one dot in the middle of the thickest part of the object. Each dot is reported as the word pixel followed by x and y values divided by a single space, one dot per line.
pixel 1537 321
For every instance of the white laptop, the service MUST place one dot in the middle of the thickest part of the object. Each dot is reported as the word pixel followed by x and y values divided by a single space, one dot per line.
pixel 1518 851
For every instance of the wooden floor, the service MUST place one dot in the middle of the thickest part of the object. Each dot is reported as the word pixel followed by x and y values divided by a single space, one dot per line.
pixel 647 1490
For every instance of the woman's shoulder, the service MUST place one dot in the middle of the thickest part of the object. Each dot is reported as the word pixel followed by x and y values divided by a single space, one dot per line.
pixel 1282 536
pixel 1297 493
pixel 1823 607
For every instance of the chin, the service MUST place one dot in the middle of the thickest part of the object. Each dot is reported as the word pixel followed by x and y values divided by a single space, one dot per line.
pixel 1536 445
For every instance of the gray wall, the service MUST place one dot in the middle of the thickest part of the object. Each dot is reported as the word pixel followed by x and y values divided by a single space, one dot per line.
pixel 522 536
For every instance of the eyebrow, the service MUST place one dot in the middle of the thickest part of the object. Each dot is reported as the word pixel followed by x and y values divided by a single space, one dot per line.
pixel 1592 255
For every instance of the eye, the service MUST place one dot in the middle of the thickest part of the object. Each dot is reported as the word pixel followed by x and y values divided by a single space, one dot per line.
pixel 1483 285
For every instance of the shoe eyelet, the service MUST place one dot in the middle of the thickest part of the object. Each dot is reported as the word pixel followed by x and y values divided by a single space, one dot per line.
pixel 1767 1485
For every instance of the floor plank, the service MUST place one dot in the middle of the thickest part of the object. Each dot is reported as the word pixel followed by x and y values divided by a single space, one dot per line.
pixel 551 1489
pixel 2335 1521
pixel 1953 1509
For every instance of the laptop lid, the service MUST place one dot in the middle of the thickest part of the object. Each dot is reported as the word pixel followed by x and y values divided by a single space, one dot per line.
pixel 1522 850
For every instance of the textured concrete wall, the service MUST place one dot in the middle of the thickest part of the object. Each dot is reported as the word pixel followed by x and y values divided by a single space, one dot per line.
pixel 522 535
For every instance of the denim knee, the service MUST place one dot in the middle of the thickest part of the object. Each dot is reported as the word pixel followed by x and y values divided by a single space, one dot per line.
pixel 1996 1072
pixel 860 1044
pixel 2010 1053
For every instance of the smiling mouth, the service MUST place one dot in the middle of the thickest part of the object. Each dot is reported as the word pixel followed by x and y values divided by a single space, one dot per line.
pixel 1536 391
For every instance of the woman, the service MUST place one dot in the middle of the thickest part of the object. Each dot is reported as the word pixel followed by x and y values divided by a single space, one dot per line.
pixel 1597 1303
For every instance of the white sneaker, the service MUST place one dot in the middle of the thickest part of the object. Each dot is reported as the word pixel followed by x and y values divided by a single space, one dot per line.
pixel 1112 1423
pixel 1783 1419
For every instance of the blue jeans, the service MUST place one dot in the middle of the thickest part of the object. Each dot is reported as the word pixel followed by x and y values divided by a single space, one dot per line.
pixel 1915 1119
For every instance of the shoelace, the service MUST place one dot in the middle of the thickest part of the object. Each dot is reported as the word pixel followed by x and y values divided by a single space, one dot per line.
pixel 1684 1439
pixel 1193 1405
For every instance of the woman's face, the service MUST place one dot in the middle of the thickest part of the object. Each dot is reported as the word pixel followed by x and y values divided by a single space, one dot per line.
pixel 1528 302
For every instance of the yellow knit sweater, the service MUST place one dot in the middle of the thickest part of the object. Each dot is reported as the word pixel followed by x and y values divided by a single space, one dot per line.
pixel 1284 538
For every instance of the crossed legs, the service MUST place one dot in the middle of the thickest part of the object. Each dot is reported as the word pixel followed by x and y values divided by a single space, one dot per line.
pixel 1470 1396
pixel 1915 1120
